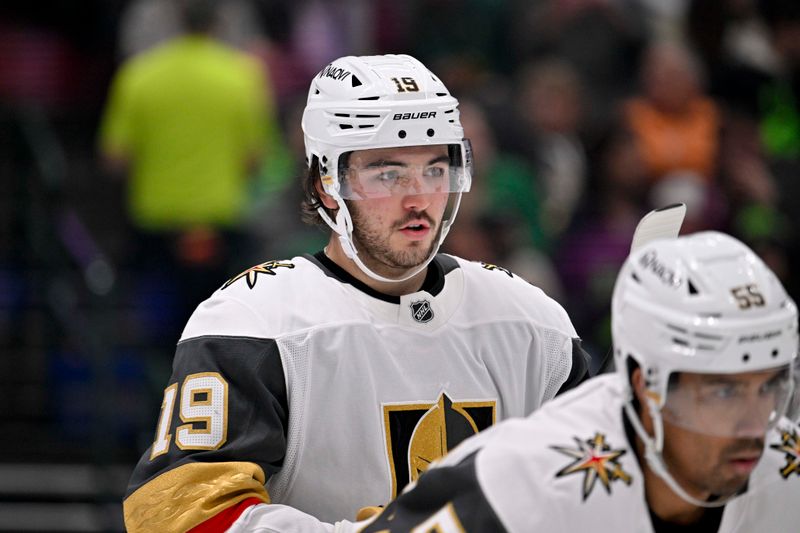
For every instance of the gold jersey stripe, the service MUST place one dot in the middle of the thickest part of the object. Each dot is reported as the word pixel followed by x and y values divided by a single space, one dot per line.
pixel 186 496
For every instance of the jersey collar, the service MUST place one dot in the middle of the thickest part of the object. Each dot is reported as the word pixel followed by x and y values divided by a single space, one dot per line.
pixel 433 283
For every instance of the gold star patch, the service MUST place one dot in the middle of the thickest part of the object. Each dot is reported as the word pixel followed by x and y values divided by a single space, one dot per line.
pixel 251 274
pixel 596 460
pixel 790 446
pixel 489 266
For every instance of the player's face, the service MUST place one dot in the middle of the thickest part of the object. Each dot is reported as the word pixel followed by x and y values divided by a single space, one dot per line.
pixel 398 232
pixel 709 464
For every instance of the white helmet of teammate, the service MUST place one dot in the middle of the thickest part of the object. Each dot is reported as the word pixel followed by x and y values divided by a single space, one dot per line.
pixel 361 103
pixel 703 304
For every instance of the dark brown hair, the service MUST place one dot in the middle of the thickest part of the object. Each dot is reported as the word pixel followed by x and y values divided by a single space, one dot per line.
pixel 311 200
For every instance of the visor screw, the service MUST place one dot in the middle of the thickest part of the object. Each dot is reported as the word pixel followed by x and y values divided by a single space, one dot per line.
pixel 430 132
pixel 746 357
pixel 402 134
pixel 774 353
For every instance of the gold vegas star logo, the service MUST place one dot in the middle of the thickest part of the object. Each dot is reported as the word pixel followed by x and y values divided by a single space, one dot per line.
pixel 596 460
pixel 251 273
pixel 790 446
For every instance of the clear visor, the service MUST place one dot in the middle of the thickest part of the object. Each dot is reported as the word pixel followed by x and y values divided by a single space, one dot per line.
pixel 385 172
pixel 729 405
pixel 793 411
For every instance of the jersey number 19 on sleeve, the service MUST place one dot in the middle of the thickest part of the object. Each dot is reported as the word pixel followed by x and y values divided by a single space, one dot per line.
pixel 203 411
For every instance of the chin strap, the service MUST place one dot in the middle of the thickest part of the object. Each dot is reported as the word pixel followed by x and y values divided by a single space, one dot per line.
pixel 653 446
pixel 343 226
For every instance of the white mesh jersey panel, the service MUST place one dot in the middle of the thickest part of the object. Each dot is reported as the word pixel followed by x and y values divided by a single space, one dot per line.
pixel 294 355
pixel 558 361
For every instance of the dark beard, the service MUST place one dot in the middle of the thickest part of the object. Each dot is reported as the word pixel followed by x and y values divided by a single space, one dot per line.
pixel 378 250
pixel 727 487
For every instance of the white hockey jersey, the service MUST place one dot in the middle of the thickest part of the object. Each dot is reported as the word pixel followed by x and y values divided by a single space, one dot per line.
pixel 338 396
pixel 570 467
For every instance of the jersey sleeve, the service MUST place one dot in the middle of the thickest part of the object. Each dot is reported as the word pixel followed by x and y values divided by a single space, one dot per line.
pixel 220 434
pixel 445 499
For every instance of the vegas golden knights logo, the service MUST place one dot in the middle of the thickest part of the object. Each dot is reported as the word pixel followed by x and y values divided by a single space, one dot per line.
pixel 419 433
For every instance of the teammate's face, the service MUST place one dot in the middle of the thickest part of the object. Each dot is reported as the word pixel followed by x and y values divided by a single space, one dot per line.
pixel 398 232
pixel 716 465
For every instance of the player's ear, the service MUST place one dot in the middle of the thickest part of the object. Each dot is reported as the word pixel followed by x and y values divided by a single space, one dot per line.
pixel 326 199
pixel 637 383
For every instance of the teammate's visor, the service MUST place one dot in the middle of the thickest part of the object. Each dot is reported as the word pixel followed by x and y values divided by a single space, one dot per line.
pixel 729 405
pixel 384 172
pixel 793 411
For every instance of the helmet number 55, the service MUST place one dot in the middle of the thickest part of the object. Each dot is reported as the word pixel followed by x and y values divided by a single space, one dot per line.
pixel 748 296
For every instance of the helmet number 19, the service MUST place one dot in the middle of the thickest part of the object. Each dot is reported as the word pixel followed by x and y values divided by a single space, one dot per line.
pixel 406 84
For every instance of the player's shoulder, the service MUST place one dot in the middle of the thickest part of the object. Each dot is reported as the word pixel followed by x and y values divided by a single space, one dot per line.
pixel 597 398
pixel 274 275
pixel 493 287
pixel 579 458
pixel 593 406
pixel 483 271
pixel 265 300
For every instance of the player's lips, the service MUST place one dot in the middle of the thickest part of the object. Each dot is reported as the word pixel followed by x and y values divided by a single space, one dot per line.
pixel 744 463
pixel 415 229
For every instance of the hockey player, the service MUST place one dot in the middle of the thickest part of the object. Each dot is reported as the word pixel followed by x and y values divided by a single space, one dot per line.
pixel 686 435
pixel 306 389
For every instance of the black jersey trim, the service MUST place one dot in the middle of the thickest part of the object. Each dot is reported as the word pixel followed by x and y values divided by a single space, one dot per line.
pixel 223 337
pixel 710 520
pixel 433 283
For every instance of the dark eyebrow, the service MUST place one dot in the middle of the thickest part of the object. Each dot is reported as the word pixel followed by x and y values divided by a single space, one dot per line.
pixel 440 159
pixel 384 163
pixel 718 380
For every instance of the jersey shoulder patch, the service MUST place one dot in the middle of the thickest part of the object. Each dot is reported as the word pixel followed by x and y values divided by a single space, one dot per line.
pixel 788 444
pixel 492 287
pixel 595 460
pixel 495 268
pixel 251 275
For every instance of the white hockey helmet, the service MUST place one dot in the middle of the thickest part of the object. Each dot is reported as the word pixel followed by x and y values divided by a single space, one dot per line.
pixel 700 304
pixel 703 303
pixel 362 103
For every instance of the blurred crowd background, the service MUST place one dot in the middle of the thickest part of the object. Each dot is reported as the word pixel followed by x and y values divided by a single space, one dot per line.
pixel 119 215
